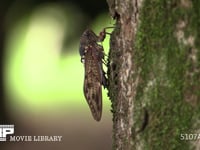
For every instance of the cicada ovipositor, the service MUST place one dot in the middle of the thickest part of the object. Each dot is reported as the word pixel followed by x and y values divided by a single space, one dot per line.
pixel 92 56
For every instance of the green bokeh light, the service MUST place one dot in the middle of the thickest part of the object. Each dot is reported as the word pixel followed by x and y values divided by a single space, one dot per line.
pixel 37 78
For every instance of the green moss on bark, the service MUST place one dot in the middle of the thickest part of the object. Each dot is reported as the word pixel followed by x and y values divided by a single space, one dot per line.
pixel 162 60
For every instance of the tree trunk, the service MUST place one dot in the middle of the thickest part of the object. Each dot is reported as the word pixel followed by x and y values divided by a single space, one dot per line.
pixel 154 74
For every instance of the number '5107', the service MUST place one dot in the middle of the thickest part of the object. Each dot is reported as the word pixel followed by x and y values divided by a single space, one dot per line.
pixel 190 136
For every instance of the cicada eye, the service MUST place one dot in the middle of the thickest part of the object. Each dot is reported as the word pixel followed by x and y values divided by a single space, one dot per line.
pixel 83 59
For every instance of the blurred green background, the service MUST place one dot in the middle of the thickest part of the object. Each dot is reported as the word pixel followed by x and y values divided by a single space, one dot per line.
pixel 43 75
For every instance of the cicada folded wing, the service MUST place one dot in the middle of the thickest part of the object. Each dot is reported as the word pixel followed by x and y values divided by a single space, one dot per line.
pixel 92 82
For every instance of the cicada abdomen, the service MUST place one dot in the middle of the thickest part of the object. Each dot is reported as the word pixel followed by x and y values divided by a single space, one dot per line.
pixel 92 56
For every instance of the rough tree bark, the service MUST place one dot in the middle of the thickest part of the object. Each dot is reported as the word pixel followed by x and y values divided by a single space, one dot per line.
pixel 154 74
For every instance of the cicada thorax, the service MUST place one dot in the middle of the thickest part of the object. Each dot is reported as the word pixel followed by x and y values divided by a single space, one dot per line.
pixel 92 56
pixel 89 38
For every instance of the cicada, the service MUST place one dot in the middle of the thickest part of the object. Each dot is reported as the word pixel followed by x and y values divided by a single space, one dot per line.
pixel 92 56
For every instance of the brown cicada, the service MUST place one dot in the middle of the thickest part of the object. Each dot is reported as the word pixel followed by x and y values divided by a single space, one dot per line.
pixel 92 56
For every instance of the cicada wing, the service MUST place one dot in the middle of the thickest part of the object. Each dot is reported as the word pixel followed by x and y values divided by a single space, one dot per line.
pixel 92 83
pixel 93 95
